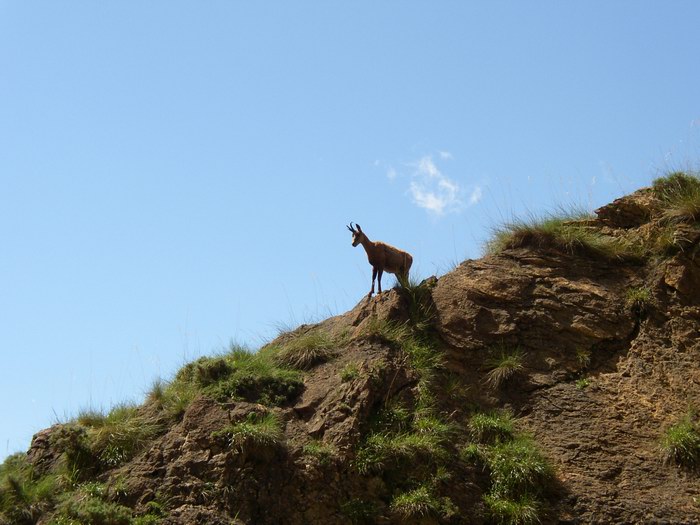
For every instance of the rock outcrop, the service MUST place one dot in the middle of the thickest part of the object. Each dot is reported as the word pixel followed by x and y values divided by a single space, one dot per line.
pixel 601 378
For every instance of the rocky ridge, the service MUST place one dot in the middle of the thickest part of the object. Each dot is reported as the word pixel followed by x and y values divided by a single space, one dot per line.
pixel 601 375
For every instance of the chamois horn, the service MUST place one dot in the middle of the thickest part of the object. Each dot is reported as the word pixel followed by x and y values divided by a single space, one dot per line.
pixel 351 228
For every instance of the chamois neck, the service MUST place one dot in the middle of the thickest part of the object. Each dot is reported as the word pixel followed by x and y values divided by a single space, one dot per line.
pixel 366 243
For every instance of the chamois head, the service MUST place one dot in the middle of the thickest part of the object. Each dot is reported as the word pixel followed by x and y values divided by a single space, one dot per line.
pixel 356 234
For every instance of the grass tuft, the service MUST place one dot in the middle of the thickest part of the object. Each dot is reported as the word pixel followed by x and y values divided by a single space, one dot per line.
pixel 680 443
pixel 415 503
pixel 566 232
pixel 639 299
pixel 492 427
pixel 517 468
pixel 306 351
pixel 506 511
pixel 504 366
pixel 324 453
pixel 255 431
pixel 680 194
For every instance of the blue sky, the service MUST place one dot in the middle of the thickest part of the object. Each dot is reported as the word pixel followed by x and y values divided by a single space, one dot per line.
pixel 176 175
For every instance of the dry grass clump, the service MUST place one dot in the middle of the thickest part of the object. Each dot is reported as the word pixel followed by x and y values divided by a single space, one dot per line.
pixel 307 350
pixel 566 231
pixel 680 194
pixel 503 366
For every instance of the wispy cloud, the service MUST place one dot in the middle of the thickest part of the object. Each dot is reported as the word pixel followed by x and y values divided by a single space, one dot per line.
pixel 476 195
pixel 432 190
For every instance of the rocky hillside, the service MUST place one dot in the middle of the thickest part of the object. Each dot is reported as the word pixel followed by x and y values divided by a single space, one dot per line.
pixel 555 380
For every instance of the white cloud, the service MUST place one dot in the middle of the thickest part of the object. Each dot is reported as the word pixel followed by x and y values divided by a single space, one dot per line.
pixel 476 195
pixel 446 155
pixel 391 174
pixel 432 190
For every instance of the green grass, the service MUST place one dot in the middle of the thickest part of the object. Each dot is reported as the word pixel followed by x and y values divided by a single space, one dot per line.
pixel 324 453
pixel 349 372
pixel 360 511
pixel 255 431
pixel 23 495
pixel 415 503
pixel 565 232
pixel 583 357
pixel 680 443
pixel 421 310
pixel 680 194
pixel 639 299
pixel 503 366
pixel 239 375
pixel 117 436
pixel 517 468
pixel 492 427
pixel 583 383
pixel 306 351
pixel 506 511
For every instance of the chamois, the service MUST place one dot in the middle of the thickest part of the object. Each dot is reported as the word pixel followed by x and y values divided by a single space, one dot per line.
pixel 382 257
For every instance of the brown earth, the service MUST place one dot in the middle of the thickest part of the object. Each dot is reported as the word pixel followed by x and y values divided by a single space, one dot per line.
pixel 569 316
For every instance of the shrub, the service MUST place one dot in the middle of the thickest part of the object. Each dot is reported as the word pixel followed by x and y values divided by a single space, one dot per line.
pixel 681 443
pixel 504 366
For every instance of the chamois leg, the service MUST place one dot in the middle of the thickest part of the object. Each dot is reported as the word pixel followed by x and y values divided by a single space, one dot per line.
pixel 379 280
pixel 374 276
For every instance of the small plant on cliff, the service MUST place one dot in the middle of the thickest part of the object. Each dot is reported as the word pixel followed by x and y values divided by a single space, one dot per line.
pixel 256 430
pixel 421 310
pixel 116 437
pixel 638 299
pixel 323 452
pixel 307 350
pixel 421 502
pixel 504 366
pixel 522 511
pixel 680 443
pixel 680 193
pixel 349 372
pixel 359 512
pixel 566 231
pixel 23 495
pixel 492 427
pixel 517 467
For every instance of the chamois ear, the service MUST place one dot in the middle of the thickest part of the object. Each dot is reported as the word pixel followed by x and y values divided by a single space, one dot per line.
pixel 358 228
